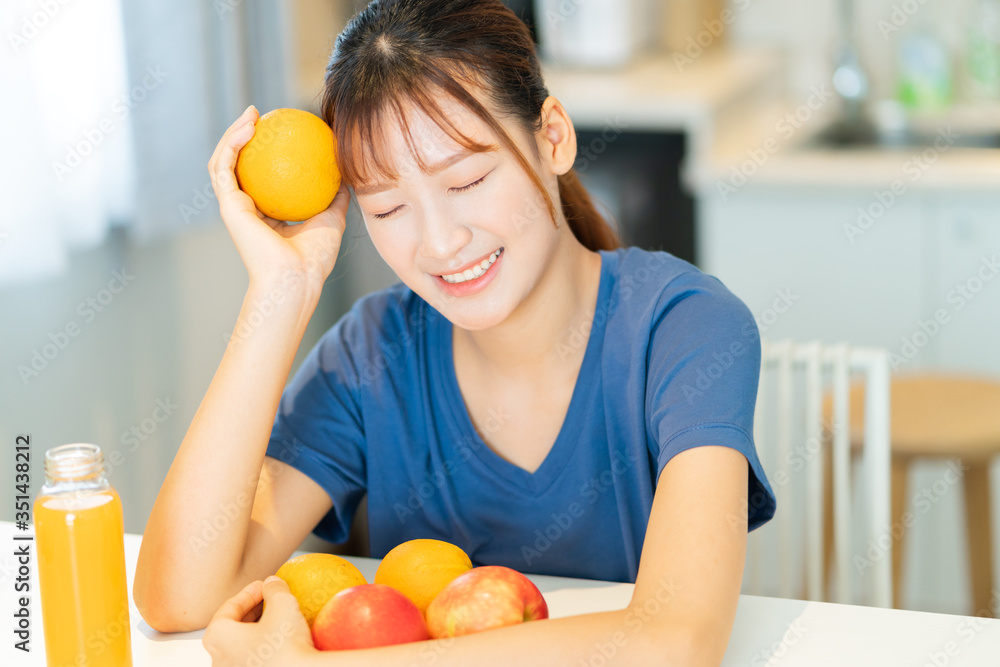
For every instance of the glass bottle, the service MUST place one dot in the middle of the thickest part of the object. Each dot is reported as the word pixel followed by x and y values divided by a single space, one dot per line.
pixel 79 534
pixel 983 52
pixel 925 68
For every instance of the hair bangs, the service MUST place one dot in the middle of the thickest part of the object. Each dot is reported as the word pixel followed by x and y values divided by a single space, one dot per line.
pixel 364 125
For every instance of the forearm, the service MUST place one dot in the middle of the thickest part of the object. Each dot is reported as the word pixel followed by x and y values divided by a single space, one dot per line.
pixel 621 637
pixel 194 539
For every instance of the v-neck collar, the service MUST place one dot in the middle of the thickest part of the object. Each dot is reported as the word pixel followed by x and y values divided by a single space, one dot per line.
pixel 538 481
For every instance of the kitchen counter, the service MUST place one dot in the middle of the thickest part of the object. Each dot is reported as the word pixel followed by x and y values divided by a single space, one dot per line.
pixel 766 629
pixel 958 169
pixel 780 149
pixel 657 93
pixel 742 125
pixel 707 98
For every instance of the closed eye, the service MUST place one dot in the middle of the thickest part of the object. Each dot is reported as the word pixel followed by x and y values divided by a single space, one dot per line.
pixel 381 216
pixel 470 185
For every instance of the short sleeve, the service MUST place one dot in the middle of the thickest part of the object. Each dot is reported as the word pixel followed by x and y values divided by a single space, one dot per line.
pixel 703 375
pixel 318 428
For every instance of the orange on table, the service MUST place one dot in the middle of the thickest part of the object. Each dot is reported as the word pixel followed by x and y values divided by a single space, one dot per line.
pixel 314 578
pixel 289 166
pixel 420 568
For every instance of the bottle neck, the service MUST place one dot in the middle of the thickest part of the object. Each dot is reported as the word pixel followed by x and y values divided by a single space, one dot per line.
pixel 74 467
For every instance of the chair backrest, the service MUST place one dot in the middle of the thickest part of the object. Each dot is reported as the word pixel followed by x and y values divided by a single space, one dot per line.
pixel 790 436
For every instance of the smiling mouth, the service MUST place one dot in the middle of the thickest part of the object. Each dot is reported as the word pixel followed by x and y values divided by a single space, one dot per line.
pixel 475 272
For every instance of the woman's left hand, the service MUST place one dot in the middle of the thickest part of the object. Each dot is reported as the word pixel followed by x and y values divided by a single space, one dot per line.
pixel 239 634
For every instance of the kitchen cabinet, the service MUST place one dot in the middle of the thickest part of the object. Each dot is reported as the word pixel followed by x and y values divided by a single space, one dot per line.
pixel 916 273
pixel 966 239
pixel 773 242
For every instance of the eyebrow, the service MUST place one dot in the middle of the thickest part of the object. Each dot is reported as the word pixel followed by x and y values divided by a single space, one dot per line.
pixel 433 169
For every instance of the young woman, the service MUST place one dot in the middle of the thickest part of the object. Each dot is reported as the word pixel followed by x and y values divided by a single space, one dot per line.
pixel 530 390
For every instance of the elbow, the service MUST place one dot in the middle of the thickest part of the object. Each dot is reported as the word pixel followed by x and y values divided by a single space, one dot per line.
pixel 164 608
pixel 169 617
pixel 170 600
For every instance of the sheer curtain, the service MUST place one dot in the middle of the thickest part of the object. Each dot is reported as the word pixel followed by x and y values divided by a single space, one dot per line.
pixel 111 110
pixel 65 174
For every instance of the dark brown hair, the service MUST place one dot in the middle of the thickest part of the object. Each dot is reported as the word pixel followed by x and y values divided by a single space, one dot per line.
pixel 416 50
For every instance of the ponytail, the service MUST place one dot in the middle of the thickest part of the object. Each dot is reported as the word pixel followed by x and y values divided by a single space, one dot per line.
pixel 588 225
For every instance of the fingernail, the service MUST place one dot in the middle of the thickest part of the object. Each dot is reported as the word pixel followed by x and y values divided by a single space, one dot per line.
pixel 246 110
pixel 271 578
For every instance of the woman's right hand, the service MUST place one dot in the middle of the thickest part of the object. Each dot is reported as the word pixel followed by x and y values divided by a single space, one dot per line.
pixel 273 250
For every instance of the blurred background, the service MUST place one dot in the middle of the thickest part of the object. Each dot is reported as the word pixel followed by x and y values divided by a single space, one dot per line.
pixel 835 163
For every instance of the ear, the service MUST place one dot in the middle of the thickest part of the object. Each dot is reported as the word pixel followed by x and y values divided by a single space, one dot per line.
pixel 557 139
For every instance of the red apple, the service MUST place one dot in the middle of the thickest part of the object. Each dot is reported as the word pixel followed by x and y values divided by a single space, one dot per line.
pixel 367 615
pixel 484 598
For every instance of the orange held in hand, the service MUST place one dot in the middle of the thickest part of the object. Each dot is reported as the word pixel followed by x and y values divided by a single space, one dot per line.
pixel 315 578
pixel 419 569
pixel 289 165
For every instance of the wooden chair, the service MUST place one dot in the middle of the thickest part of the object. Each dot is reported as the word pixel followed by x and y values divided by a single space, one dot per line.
pixel 788 433
pixel 937 416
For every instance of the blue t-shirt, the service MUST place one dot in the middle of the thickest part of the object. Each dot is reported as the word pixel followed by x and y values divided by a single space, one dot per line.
pixel 672 361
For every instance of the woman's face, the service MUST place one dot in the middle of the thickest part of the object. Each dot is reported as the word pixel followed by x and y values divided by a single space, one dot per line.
pixel 429 225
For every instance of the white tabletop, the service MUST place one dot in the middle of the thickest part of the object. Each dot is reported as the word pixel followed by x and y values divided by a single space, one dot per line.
pixel 767 630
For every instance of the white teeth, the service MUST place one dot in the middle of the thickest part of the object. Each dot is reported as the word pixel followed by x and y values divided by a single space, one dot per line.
pixel 474 272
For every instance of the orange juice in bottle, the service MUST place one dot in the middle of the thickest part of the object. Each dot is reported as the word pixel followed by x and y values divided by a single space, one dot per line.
pixel 79 534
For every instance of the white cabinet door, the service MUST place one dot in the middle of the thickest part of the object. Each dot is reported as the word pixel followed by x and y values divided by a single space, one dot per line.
pixel 820 263
pixel 968 281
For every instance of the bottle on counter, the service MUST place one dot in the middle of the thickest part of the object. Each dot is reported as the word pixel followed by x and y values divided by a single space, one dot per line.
pixel 595 33
pixel 79 533
pixel 925 72
pixel 983 52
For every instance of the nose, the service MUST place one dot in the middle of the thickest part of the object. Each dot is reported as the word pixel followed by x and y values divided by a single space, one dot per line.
pixel 442 238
